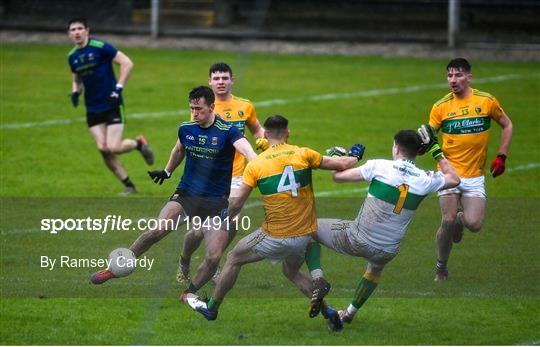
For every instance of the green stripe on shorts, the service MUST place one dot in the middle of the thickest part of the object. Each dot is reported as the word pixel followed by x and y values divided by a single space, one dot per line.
pixel 122 114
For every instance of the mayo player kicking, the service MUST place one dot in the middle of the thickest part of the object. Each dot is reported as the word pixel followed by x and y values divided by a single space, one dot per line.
pixel 396 189
pixel 241 113
pixel 208 143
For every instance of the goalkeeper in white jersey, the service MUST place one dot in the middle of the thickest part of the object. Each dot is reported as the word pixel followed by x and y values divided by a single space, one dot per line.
pixel 396 189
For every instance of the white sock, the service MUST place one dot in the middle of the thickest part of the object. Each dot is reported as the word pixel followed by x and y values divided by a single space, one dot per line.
pixel 317 273
pixel 351 310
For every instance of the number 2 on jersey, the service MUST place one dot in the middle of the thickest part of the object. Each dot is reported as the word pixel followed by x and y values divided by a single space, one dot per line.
pixel 403 189
pixel 288 174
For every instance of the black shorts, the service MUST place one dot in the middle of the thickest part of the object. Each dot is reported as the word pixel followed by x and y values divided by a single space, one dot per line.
pixel 202 207
pixel 112 116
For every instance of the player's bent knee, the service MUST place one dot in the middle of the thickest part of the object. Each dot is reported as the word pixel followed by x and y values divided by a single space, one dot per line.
pixel 475 226
pixel 104 149
pixel 233 258
pixel 213 259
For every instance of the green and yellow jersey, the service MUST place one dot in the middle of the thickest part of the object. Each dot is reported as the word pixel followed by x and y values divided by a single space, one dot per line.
pixel 283 175
pixel 239 112
pixel 465 125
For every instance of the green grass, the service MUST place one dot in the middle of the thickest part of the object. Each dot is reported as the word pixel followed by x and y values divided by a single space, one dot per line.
pixel 386 321
pixel 54 171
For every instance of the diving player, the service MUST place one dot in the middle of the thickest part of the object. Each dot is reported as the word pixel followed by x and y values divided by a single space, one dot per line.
pixel 396 189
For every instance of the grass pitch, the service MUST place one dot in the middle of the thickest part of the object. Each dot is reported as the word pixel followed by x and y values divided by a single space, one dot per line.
pixel 50 169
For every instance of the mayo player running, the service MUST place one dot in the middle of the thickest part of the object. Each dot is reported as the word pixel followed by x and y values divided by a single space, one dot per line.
pixel 283 175
pixel 208 143
pixel 241 113
pixel 91 65
pixel 396 189
pixel 464 117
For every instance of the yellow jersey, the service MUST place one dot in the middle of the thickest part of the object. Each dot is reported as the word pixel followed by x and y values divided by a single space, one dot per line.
pixel 239 112
pixel 465 126
pixel 283 175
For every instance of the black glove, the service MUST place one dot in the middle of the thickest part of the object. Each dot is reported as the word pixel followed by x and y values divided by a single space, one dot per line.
pixel 430 143
pixel 115 97
pixel 158 176
pixel 75 98
pixel 357 150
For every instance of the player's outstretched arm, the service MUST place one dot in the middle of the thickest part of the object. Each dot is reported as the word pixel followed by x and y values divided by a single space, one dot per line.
pixel 236 203
pixel 242 145
pixel 337 163
pixel 430 145
pixel 337 159
pixel 349 175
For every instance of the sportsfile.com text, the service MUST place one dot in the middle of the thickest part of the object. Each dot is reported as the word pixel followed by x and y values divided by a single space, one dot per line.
pixel 118 223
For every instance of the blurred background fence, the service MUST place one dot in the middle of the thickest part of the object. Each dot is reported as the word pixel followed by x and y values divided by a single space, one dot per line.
pixel 425 21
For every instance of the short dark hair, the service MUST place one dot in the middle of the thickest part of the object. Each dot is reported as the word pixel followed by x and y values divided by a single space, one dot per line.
pixel 276 125
pixel 460 64
pixel 81 20
pixel 202 92
pixel 409 142
pixel 221 67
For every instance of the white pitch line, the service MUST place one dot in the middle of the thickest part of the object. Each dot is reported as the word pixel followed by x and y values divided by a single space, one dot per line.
pixel 19 231
pixel 272 102
pixel 53 122
pixel 525 167
pixel 415 293
pixel 529 343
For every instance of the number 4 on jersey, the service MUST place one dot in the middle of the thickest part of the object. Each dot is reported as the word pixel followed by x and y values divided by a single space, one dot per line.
pixel 288 176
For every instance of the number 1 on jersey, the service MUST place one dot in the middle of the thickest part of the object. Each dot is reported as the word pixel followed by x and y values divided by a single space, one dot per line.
pixel 403 189
pixel 288 174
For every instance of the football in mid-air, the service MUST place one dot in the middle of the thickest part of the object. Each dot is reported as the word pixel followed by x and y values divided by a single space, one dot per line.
pixel 122 262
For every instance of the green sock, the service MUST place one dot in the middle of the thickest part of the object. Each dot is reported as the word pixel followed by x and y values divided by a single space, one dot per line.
pixel 366 286
pixel 213 304
pixel 313 257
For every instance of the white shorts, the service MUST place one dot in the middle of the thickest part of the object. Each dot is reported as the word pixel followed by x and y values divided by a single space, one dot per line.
pixel 236 182
pixel 277 249
pixel 341 236
pixel 472 187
